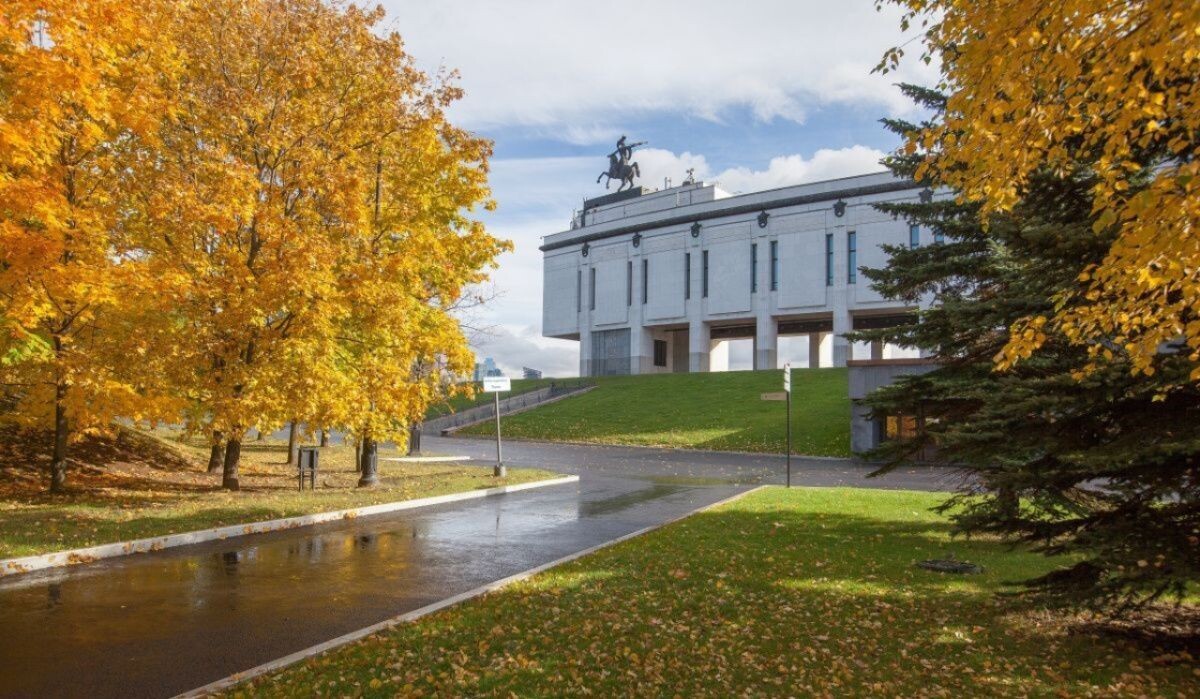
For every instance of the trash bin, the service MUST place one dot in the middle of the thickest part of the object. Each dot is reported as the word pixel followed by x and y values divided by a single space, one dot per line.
pixel 306 466
pixel 414 439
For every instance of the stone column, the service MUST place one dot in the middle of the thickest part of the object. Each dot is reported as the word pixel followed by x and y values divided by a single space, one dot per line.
pixel 698 342
pixel 585 352
pixel 877 350
pixel 718 355
pixel 814 350
pixel 841 346
pixel 641 349
pixel 766 342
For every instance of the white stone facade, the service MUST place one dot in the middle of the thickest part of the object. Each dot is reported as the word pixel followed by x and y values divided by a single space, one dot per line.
pixel 630 281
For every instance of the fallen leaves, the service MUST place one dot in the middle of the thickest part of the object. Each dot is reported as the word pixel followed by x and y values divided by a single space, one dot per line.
pixel 755 598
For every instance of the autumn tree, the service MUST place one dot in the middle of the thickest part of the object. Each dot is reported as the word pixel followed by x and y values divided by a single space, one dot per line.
pixel 417 256
pixel 1036 86
pixel 81 100
pixel 317 189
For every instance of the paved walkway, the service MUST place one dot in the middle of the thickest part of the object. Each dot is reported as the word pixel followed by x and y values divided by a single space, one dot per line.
pixel 694 466
pixel 158 624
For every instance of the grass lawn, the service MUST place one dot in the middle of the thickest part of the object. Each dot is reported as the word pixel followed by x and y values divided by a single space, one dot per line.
pixel 699 411
pixel 808 592
pixel 143 485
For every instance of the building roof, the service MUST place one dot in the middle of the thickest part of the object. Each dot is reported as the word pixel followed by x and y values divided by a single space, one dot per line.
pixel 657 209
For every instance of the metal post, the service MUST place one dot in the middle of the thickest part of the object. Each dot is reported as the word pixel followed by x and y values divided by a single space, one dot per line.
pixel 500 471
pixel 789 439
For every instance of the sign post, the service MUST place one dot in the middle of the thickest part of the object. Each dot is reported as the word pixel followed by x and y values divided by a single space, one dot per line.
pixel 495 385
pixel 787 388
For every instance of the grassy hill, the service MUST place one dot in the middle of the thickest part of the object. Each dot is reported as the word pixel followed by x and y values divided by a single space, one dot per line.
pixel 700 411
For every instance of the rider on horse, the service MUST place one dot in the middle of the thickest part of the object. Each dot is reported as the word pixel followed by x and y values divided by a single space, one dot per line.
pixel 619 165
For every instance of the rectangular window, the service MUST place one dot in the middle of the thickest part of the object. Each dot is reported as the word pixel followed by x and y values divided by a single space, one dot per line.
pixel 645 281
pixel 687 275
pixel 660 353
pixel 914 236
pixel 851 257
pixel 704 274
pixel 579 291
pixel 828 259
pixel 629 283
pixel 774 265
pixel 753 268
pixel 938 236
pixel 592 289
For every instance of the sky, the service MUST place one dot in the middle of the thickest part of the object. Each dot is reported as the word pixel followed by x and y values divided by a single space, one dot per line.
pixel 753 95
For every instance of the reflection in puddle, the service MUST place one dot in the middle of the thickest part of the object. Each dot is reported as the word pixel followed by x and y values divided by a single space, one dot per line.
pixel 592 508
pixel 233 604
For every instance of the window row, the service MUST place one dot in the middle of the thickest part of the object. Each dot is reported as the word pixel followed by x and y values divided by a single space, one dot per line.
pixel 914 241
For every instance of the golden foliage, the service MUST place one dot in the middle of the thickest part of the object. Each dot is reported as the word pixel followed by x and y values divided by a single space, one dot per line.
pixel 80 102
pixel 1042 85
pixel 258 202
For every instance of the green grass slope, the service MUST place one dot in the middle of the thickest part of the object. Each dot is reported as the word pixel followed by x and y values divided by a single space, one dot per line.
pixel 720 411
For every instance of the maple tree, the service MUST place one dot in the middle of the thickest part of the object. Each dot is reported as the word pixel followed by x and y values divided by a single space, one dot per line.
pixel 259 202
pixel 80 102
pixel 294 115
pixel 419 254
pixel 1039 86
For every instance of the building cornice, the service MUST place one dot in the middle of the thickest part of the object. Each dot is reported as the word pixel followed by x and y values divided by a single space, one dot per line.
pixel 734 210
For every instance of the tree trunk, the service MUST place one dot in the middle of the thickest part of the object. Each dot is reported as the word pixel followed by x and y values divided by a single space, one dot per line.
pixel 58 462
pixel 1010 503
pixel 368 465
pixel 291 456
pixel 324 437
pixel 233 454
pixel 216 456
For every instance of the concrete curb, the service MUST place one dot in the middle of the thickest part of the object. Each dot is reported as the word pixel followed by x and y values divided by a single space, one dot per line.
pixel 424 459
pixel 313 651
pixel 27 564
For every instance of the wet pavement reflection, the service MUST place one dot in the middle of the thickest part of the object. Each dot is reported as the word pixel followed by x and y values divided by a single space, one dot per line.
pixel 163 623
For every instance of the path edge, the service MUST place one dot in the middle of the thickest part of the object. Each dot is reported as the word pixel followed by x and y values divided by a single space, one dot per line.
pixel 90 554
pixel 313 651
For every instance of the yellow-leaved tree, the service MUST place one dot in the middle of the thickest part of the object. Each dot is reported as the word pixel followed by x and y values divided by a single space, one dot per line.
pixel 1037 85
pixel 417 256
pixel 81 101
pixel 278 289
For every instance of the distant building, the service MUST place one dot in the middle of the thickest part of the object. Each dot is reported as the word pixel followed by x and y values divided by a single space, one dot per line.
pixel 664 281
pixel 485 369
pixel 531 373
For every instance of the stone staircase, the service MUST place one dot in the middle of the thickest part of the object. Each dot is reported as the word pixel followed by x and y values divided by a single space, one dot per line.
pixel 448 424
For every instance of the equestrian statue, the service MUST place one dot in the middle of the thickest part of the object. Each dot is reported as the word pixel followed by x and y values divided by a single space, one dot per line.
pixel 619 166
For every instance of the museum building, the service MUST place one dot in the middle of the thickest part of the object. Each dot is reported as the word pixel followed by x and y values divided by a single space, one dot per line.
pixel 664 281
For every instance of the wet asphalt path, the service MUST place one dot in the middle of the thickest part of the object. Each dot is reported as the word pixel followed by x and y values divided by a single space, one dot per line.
pixel 694 466
pixel 157 624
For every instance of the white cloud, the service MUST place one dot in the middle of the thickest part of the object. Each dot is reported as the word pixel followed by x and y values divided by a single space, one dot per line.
pixel 782 171
pixel 574 65
pixel 516 348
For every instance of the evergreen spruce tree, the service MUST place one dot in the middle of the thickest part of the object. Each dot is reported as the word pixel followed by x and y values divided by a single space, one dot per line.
pixel 1105 466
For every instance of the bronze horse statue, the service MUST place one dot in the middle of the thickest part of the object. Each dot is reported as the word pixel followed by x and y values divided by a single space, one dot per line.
pixel 617 170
